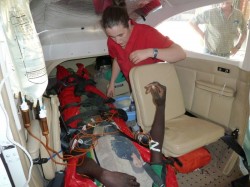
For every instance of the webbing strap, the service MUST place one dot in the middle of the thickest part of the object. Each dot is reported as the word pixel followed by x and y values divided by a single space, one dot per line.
pixel 82 116
pixel 64 83
pixel 88 103
pixel 233 144
pixel 157 180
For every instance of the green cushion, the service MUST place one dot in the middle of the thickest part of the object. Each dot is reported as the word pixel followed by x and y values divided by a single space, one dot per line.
pixel 120 77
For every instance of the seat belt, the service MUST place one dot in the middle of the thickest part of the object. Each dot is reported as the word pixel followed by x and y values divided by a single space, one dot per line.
pixel 157 180
pixel 231 141
pixel 234 145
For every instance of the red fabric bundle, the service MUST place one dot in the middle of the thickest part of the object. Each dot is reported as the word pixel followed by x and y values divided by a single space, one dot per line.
pixel 100 5
pixel 152 5
pixel 72 179
pixel 193 160
pixel 66 95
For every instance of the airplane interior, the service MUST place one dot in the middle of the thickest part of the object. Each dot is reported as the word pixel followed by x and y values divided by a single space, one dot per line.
pixel 54 73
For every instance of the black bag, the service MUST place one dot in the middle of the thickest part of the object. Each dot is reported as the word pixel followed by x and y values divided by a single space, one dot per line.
pixel 103 61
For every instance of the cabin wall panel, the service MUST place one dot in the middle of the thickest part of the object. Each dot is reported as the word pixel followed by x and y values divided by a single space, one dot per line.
pixel 201 102
pixel 233 111
pixel 219 106
pixel 208 104
pixel 187 85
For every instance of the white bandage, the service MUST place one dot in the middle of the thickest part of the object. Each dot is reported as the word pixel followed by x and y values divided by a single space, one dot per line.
pixel 152 145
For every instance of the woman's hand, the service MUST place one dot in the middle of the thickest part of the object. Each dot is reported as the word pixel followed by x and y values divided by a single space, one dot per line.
pixel 111 90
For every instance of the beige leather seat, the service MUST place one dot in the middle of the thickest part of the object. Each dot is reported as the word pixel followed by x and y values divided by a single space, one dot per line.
pixel 182 133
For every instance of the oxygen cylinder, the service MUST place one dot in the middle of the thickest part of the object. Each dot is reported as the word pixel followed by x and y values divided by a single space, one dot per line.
pixel 24 46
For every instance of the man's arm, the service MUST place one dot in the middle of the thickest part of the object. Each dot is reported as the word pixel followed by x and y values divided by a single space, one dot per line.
pixel 243 32
pixel 242 37
pixel 197 29
pixel 158 92
pixel 89 167
pixel 239 43
pixel 241 40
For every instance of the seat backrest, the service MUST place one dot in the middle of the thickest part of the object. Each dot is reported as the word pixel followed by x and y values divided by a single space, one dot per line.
pixel 165 74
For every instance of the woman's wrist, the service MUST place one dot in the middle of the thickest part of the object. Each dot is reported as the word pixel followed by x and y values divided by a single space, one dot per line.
pixel 112 83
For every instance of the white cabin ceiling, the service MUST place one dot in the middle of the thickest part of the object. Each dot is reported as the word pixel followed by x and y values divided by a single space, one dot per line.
pixel 60 14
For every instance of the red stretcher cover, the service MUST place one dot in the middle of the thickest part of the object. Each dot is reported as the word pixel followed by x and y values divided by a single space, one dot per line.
pixel 66 96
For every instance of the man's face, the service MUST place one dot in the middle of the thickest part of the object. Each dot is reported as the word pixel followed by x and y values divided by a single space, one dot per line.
pixel 226 4
pixel 119 34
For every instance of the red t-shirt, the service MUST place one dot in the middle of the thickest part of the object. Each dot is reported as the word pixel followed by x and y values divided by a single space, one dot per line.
pixel 142 37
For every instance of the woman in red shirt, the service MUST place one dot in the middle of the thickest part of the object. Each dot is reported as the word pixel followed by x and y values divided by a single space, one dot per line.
pixel 131 44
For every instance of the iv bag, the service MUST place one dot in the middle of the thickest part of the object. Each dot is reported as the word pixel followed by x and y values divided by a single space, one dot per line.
pixel 25 47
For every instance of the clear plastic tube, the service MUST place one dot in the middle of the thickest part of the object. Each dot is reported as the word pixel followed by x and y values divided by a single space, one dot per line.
pixel 25 47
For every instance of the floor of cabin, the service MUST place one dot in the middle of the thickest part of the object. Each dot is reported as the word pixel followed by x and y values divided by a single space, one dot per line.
pixel 211 175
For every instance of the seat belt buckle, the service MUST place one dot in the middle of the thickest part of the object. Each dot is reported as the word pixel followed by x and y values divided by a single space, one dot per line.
pixel 235 134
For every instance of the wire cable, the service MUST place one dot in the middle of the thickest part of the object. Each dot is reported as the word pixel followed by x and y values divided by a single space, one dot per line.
pixel 17 144
pixel 7 130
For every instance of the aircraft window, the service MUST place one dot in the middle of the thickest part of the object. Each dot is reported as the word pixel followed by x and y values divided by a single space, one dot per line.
pixel 180 31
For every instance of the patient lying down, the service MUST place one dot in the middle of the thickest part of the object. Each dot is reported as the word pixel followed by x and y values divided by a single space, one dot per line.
pixel 116 148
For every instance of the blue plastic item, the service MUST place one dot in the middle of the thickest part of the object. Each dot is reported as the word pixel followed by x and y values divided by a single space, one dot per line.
pixel 124 103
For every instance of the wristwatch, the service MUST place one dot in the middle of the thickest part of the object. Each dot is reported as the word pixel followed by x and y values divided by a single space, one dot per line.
pixel 155 52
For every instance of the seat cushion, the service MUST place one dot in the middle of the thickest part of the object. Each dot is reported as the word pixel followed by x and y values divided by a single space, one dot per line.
pixel 185 134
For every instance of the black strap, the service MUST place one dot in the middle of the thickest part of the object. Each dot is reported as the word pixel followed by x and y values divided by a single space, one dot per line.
pixel 58 180
pixel 80 86
pixel 233 144
pixel 89 102
pixel 101 110
pixel 157 180
pixel 82 116
pixel 68 81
